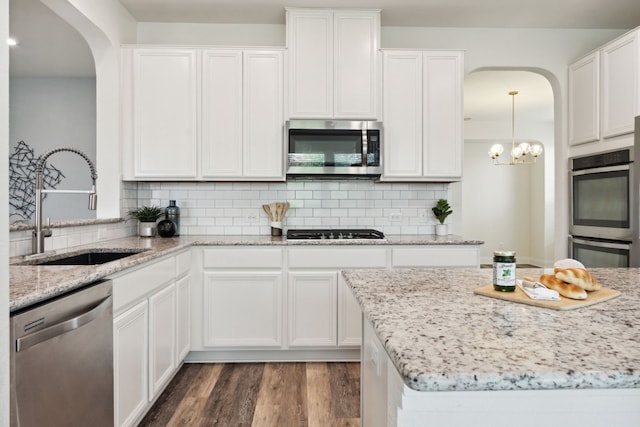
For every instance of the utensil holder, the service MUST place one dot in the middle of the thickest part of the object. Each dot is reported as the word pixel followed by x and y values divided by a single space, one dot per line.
pixel 276 228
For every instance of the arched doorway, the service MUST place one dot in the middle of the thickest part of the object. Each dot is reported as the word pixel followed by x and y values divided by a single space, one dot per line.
pixel 506 206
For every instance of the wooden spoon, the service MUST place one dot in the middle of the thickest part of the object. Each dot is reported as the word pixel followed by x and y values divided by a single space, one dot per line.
pixel 279 210
pixel 268 211
pixel 274 216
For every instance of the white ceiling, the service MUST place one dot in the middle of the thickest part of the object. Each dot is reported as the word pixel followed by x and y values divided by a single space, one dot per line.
pixel 486 96
pixel 617 14
pixel 47 45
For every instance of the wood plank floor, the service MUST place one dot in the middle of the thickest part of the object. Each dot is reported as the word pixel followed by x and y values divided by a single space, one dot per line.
pixel 260 394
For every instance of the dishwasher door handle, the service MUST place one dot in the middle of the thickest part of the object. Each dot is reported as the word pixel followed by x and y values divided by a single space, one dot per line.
pixel 52 331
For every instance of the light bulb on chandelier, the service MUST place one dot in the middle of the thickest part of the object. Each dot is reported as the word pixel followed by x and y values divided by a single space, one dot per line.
pixel 523 152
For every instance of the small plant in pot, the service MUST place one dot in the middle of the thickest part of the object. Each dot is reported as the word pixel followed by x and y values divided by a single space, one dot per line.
pixel 441 211
pixel 147 215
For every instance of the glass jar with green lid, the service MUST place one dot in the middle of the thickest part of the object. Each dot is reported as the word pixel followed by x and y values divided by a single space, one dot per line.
pixel 504 271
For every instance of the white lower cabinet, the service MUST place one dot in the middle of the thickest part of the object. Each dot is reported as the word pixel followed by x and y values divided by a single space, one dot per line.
pixel 349 316
pixel 242 309
pixel 312 309
pixel 162 338
pixel 151 316
pixel 183 317
pixel 322 309
pixel 257 303
pixel 183 305
pixel 131 364
pixel 373 381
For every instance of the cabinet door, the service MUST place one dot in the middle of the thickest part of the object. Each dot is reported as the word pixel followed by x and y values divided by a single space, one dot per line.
pixel 375 395
pixel 242 309
pixel 356 41
pixel 310 45
pixel 162 338
pixel 402 96
pixel 263 115
pixel 442 114
pixel 584 100
pixel 349 316
pixel 221 113
pixel 620 91
pixel 130 364
pixel 164 110
pixel 183 318
pixel 312 309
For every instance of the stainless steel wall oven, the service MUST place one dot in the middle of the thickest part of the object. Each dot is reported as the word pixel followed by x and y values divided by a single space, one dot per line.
pixel 604 209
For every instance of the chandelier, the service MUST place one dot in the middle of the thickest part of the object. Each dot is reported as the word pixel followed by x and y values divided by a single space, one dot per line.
pixel 522 154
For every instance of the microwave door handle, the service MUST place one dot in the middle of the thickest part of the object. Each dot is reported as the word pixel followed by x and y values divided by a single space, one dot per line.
pixel 365 148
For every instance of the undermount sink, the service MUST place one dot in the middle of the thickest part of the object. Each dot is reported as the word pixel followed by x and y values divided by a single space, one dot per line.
pixel 90 257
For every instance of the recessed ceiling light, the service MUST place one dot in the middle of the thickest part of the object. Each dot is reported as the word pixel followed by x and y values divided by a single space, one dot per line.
pixel 12 42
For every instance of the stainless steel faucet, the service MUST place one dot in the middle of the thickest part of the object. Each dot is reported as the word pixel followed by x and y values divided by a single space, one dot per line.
pixel 40 233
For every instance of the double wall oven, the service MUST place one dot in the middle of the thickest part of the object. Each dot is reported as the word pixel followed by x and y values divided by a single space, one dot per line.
pixel 604 209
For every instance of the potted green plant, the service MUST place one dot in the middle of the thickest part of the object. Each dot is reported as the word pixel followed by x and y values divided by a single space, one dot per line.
pixel 147 217
pixel 441 211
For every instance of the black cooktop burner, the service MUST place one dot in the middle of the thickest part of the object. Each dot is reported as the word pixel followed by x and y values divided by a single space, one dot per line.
pixel 336 233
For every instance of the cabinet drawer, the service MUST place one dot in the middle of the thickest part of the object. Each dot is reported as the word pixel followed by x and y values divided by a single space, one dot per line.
pixel 243 257
pixel 183 263
pixel 133 286
pixel 435 256
pixel 338 258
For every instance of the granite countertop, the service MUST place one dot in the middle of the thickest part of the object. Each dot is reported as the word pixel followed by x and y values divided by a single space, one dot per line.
pixel 442 337
pixel 31 284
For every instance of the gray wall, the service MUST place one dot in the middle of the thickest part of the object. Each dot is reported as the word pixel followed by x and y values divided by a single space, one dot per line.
pixel 48 113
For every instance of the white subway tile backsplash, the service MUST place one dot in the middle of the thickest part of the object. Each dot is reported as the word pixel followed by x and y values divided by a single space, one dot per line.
pixel 349 203
pixel 226 208
pixel 329 204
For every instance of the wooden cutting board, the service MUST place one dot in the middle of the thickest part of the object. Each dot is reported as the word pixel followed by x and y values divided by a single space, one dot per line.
pixel 596 297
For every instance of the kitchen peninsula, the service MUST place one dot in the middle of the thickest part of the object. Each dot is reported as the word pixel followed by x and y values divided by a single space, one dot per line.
pixel 434 353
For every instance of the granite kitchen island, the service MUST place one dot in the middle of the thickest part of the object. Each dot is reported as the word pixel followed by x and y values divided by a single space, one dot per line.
pixel 435 354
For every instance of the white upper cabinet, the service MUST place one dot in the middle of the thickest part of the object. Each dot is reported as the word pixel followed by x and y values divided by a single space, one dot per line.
pixel 584 100
pixel 620 85
pixel 242 114
pixel 263 125
pixel 604 95
pixel 333 63
pixel 310 44
pixel 442 121
pixel 422 109
pixel 221 113
pixel 214 114
pixel 164 113
pixel 402 109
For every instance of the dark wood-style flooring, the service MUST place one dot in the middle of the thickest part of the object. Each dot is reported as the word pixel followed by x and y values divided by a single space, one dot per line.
pixel 260 394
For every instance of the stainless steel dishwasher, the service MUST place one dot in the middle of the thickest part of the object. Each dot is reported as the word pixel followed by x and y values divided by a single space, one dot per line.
pixel 62 360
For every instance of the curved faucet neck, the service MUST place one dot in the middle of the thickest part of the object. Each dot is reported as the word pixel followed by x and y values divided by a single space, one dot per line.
pixel 39 233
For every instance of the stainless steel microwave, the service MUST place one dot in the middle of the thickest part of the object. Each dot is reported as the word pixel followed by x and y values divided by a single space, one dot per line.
pixel 334 147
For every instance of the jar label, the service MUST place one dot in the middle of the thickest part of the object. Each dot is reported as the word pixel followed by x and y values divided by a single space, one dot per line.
pixel 504 273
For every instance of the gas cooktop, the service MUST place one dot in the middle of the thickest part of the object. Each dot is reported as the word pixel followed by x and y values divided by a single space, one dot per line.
pixel 335 233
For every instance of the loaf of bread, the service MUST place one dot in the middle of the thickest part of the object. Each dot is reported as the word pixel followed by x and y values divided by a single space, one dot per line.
pixel 565 289
pixel 568 263
pixel 579 277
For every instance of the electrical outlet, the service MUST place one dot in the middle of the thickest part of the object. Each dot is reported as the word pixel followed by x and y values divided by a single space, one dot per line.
pixel 396 216
pixel 252 218
pixel 423 215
